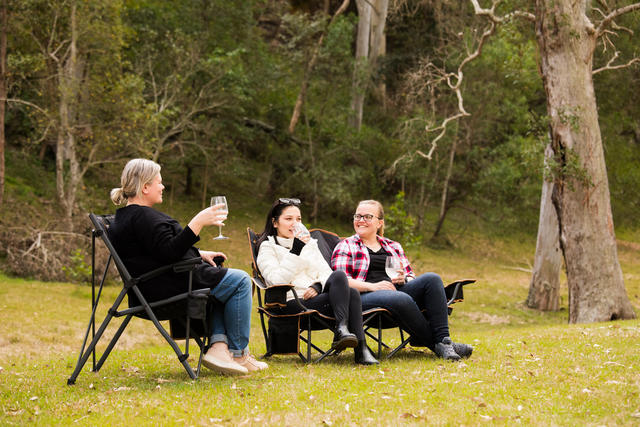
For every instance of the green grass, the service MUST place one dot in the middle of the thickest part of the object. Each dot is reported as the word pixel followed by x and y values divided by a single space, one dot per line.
pixel 528 368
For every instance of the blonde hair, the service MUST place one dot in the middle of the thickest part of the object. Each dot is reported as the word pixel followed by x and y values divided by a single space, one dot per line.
pixel 380 231
pixel 135 175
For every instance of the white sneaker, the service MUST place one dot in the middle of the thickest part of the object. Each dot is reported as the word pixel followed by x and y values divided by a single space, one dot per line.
pixel 224 365
pixel 250 363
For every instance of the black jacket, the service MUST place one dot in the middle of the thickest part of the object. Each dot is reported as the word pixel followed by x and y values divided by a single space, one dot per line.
pixel 147 239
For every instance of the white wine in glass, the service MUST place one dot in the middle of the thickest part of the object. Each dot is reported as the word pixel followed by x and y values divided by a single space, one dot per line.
pixel 224 209
pixel 391 266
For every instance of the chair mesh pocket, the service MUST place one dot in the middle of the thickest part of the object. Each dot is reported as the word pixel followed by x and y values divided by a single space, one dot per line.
pixel 283 335
pixel 197 306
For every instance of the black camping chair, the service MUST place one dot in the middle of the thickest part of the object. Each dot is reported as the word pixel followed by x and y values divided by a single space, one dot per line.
pixel 286 330
pixel 380 318
pixel 179 310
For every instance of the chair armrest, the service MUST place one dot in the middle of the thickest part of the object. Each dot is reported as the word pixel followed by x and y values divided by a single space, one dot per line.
pixel 453 291
pixel 178 267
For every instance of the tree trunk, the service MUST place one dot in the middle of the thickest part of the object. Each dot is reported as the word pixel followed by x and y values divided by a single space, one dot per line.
pixel 361 67
pixel 566 39
pixel 544 290
pixel 3 92
pixel 444 206
pixel 68 76
pixel 302 95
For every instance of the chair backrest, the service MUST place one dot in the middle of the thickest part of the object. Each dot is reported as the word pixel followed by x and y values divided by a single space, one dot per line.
pixel 327 242
pixel 253 240
pixel 101 225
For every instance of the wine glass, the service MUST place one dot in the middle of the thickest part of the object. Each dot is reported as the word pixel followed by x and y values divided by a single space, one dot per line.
pixel 300 228
pixel 391 266
pixel 224 209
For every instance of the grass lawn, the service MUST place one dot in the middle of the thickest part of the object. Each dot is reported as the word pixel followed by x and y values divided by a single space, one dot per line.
pixel 527 368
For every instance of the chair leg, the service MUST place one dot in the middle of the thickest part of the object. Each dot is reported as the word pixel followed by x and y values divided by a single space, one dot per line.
pixel 113 342
pixel 182 357
pixel 84 356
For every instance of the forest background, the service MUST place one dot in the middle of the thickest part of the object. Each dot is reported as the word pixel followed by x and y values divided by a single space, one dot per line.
pixel 211 90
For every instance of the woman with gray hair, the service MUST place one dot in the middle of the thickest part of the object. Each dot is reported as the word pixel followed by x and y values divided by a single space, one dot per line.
pixel 147 239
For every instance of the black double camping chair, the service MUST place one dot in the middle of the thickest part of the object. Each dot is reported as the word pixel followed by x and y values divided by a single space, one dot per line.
pixel 180 310
pixel 285 331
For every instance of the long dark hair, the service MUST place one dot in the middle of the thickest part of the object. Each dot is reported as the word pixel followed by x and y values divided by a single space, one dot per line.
pixel 274 213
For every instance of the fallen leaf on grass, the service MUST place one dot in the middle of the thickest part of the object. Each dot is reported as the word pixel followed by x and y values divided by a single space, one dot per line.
pixel 586 390
pixel 327 422
pixel 130 369
pixel 636 415
pixel 386 397
pixel 162 381
pixel 234 386
pixel 613 363
pixel 123 388
pixel 34 398
pixel 486 417
pixel 613 382
pixel 408 415
pixel 158 387
pixel 482 405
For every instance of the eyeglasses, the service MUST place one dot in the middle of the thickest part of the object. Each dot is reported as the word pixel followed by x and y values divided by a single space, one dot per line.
pixel 295 202
pixel 367 218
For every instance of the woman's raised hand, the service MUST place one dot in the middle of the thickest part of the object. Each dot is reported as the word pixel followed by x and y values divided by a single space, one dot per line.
pixel 208 216
pixel 399 279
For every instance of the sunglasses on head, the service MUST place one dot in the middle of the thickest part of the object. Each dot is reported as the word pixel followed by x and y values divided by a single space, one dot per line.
pixel 284 200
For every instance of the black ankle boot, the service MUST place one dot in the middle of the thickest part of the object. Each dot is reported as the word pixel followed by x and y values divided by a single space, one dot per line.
pixel 343 338
pixel 363 355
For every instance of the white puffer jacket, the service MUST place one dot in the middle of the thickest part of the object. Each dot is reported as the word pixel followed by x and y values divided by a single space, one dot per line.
pixel 279 266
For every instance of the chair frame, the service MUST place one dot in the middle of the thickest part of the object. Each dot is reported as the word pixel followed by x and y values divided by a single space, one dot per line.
pixel 305 316
pixel 173 308
pixel 380 318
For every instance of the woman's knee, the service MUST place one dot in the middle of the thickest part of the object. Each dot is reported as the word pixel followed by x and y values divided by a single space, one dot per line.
pixel 355 295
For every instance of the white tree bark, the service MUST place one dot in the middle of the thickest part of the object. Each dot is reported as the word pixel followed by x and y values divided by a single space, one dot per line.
pixel 361 66
pixel 68 85
pixel 544 290
pixel 566 40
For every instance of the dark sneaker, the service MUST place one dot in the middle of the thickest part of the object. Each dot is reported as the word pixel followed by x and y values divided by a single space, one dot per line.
pixel 444 350
pixel 463 350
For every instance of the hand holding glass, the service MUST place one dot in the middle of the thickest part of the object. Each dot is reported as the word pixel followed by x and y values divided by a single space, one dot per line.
pixel 300 230
pixel 391 266
pixel 224 209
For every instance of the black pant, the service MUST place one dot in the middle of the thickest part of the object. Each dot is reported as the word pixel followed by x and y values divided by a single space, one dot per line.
pixel 336 300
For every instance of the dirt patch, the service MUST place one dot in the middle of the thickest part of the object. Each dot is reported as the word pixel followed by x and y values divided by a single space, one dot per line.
pixel 492 319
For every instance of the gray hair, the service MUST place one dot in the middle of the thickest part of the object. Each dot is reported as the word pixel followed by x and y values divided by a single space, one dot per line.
pixel 135 175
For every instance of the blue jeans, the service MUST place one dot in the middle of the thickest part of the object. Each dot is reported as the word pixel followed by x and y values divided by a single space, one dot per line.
pixel 426 292
pixel 231 319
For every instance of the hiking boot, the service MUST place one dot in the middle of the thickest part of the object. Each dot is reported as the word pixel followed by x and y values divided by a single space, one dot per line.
pixel 444 350
pixel 343 338
pixel 362 354
pixel 463 350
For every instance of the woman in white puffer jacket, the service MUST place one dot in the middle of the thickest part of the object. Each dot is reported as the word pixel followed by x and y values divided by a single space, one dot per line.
pixel 285 256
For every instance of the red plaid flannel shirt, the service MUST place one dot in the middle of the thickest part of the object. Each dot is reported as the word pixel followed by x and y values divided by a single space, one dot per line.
pixel 352 257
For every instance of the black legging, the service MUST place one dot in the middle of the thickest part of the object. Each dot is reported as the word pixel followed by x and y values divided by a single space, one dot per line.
pixel 336 300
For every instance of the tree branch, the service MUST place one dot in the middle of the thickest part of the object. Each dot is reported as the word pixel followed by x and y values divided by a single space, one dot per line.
pixel 616 67
pixel 613 15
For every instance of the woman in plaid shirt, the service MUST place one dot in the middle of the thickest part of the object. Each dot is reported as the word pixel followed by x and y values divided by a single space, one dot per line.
pixel 362 257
